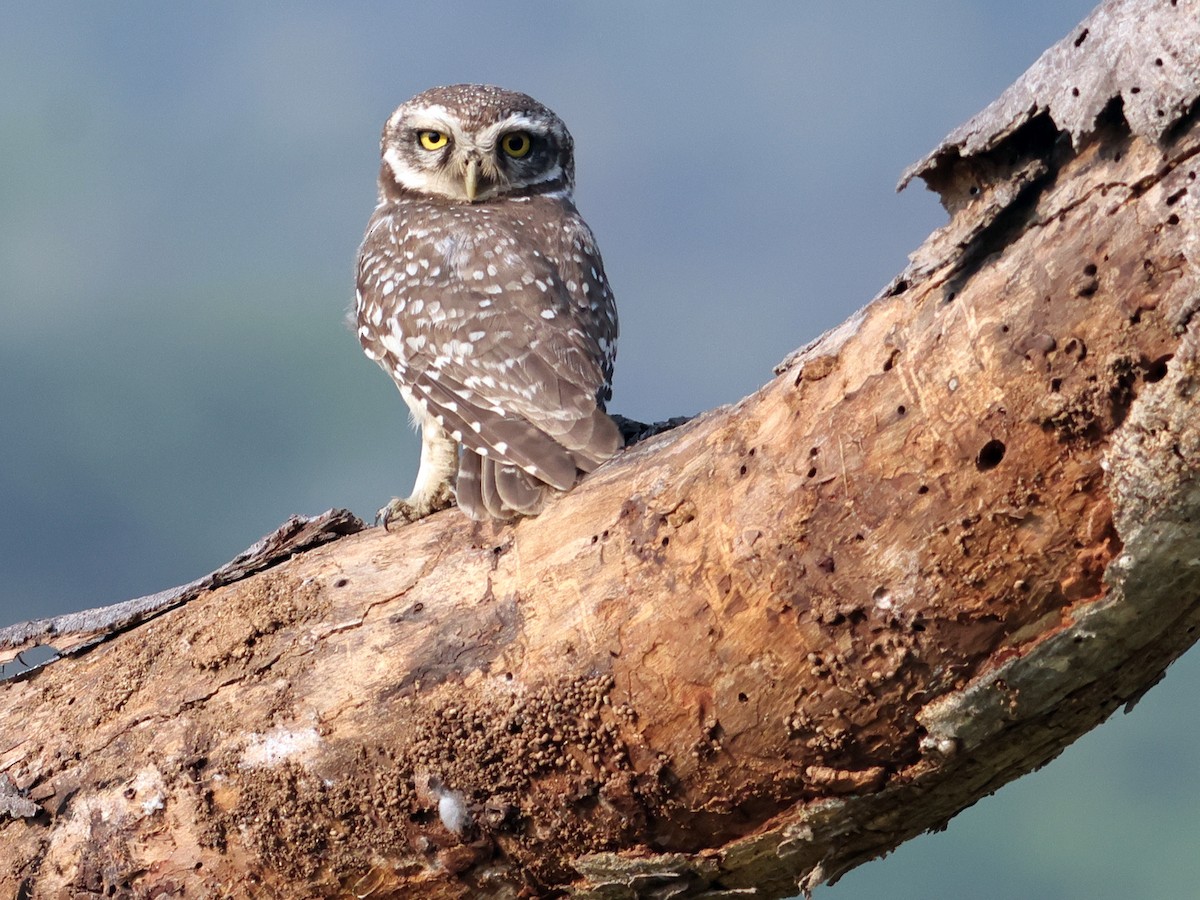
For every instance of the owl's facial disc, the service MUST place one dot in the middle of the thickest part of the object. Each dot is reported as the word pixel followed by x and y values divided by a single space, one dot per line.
pixel 455 167
pixel 431 151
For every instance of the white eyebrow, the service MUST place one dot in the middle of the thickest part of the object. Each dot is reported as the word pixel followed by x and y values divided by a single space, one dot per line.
pixel 435 112
pixel 515 122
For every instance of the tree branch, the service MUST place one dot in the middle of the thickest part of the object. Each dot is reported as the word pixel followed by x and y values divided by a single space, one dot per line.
pixel 752 652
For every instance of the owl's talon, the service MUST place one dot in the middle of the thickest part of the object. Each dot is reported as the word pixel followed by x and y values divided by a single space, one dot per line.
pixel 397 510
pixel 406 510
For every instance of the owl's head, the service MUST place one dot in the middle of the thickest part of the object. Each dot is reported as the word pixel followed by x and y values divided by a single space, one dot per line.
pixel 475 142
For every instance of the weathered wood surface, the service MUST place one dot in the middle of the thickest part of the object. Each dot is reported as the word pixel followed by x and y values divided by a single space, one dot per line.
pixel 75 633
pixel 750 653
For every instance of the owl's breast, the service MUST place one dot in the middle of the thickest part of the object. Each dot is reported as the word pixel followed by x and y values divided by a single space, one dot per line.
pixel 455 250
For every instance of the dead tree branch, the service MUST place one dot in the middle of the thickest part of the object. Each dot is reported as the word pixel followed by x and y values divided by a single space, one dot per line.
pixel 950 537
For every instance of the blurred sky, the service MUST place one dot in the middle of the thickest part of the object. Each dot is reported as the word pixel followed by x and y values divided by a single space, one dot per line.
pixel 183 191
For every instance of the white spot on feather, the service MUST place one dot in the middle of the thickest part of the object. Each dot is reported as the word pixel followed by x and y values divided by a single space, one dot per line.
pixel 458 350
pixel 391 342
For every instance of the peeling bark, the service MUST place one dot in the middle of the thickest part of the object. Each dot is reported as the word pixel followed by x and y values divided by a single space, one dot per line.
pixel 752 652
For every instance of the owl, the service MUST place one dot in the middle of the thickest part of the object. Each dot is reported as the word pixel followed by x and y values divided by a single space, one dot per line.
pixel 482 294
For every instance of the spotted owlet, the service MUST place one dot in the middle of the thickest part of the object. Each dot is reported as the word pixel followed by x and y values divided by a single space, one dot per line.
pixel 482 294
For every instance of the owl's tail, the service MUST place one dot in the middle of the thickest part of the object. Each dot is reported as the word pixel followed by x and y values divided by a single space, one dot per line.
pixel 488 487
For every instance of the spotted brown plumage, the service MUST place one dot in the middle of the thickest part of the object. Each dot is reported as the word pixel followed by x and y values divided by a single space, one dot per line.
pixel 482 294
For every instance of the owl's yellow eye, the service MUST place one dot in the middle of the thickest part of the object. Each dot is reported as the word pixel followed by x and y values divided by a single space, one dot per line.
pixel 433 140
pixel 516 144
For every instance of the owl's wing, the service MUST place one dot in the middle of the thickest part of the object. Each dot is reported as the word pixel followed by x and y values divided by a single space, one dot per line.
pixel 502 346
pixel 519 389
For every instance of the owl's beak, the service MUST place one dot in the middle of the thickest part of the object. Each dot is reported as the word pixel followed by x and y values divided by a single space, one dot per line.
pixel 471 179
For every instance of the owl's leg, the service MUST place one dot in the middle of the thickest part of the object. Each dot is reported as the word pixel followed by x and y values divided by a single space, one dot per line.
pixel 434 489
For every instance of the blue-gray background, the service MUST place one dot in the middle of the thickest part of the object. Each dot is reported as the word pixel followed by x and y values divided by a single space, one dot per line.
pixel 181 196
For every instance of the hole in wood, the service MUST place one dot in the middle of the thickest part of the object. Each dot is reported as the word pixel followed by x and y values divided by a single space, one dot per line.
pixel 990 455
pixel 1157 370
